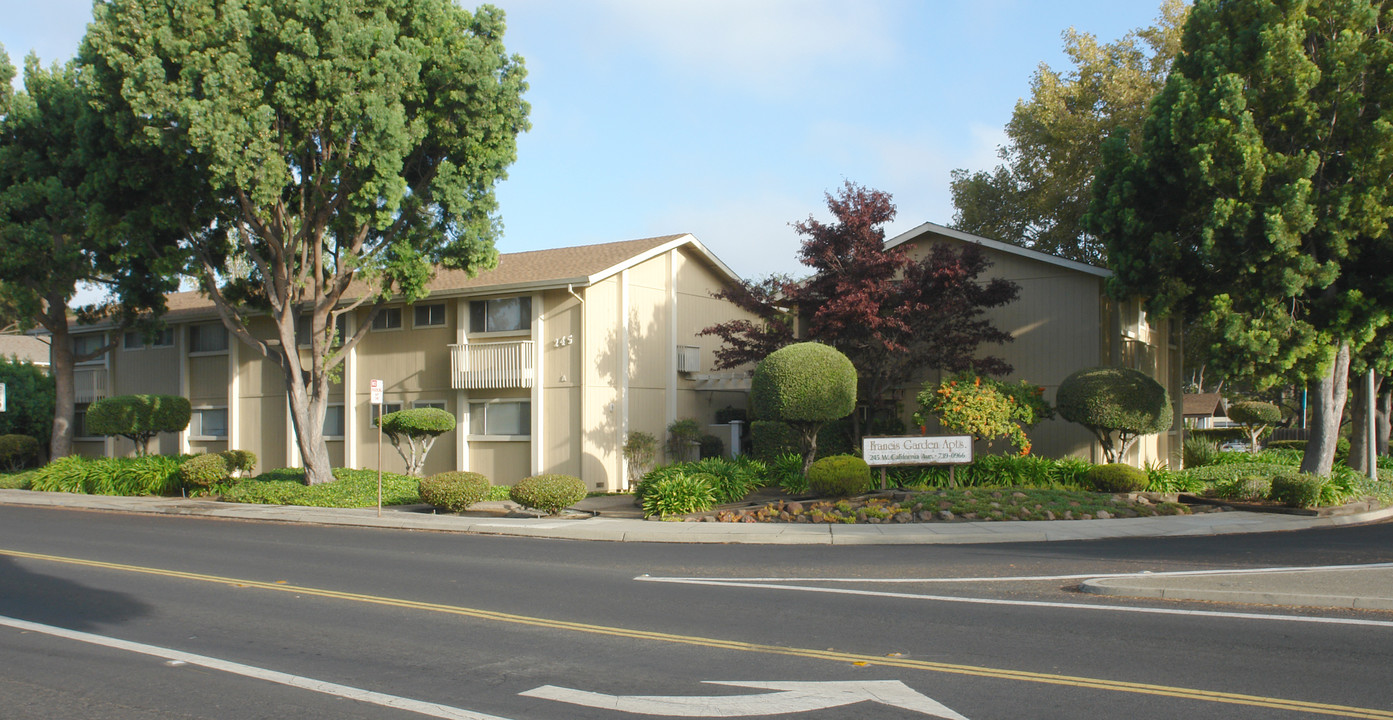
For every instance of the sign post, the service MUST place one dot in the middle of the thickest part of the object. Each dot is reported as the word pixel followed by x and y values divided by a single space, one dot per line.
pixel 376 389
pixel 947 450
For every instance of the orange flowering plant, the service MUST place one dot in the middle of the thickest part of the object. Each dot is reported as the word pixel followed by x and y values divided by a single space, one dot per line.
pixel 984 407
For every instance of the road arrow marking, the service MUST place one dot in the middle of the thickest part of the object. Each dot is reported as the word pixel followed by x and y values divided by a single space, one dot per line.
pixel 791 697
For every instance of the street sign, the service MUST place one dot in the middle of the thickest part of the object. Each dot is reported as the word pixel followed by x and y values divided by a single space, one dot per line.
pixel 376 387
pixel 791 697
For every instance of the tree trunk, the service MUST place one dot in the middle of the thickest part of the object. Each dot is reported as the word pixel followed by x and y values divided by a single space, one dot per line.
pixel 60 443
pixel 1327 401
pixel 308 418
pixel 1359 414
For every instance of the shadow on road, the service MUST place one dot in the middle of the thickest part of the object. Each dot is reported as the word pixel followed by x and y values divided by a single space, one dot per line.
pixel 27 595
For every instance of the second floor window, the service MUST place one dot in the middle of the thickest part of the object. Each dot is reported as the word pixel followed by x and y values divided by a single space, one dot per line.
pixel 387 319
pixel 207 338
pixel 500 315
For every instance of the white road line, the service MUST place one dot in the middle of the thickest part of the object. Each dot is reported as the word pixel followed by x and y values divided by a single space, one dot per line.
pixel 1026 603
pixel 1030 578
pixel 304 683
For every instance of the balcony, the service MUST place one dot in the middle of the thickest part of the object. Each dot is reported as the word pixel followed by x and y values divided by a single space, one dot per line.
pixel 89 385
pixel 492 366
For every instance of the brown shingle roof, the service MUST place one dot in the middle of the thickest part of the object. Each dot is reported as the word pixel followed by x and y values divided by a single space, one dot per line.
pixel 24 347
pixel 537 267
pixel 1203 404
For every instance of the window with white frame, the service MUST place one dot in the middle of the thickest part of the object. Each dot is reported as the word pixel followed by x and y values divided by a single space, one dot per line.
pixel 501 418
pixel 385 409
pixel 80 422
pixel 387 319
pixel 432 315
pixel 304 324
pixel 437 404
pixel 208 423
pixel 500 315
pixel 207 338
pixel 333 421
pixel 136 340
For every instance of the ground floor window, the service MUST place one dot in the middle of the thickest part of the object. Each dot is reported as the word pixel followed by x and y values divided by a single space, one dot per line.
pixel 501 418
pixel 333 421
pixel 208 423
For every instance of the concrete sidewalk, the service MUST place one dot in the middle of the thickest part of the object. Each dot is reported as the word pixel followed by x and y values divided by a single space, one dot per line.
pixel 1362 588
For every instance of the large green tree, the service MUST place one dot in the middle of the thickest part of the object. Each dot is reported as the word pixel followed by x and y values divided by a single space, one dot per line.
pixel 74 208
pixel 345 149
pixel 1038 196
pixel 1258 202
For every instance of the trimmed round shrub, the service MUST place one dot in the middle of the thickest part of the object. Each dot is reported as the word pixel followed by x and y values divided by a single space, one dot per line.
pixel 1252 412
pixel 454 491
pixel 204 471
pixel 139 417
pixel 1285 445
pixel 804 382
pixel 1110 400
pixel 549 493
pixel 771 439
pixel 678 494
pixel 839 476
pixel 18 451
pixel 240 461
pixel 1298 491
pixel 1117 478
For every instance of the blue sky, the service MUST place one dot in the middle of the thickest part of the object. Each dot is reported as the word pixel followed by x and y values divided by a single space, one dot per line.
pixel 730 119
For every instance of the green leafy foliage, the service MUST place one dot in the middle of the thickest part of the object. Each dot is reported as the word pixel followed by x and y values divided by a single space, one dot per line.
pixel 204 471
pixel 139 417
pixel 239 461
pixel 336 143
pixel 805 385
pixel 1009 470
pixel 678 493
pixel 414 431
pixel 839 476
pixel 683 438
pixel 786 472
pixel 28 400
pixel 640 452
pixel 549 493
pixel 1244 487
pixel 150 475
pixel 349 489
pixel 1255 417
pixel 1297 490
pixel 1118 405
pixel 1198 452
pixel 711 446
pixel 985 407
pixel 454 491
pixel 1117 478
pixel 18 451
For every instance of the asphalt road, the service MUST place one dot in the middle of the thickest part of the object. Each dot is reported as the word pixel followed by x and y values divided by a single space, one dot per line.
pixel 115 616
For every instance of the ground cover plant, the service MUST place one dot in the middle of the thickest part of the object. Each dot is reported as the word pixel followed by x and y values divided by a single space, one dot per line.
pixel 16 480
pixel 349 489
pixel 149 475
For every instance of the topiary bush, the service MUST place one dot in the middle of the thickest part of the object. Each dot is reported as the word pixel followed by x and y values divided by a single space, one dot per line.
pixel 805 385
pixel 771 439
pixel 139 417
pixel 1255 417
pixel 1285 445
pixel 454 491
pixel 18 451
pixel 549 493
pixel 678 494
pixel 239 462
pixel 1297 490
pixel 1117 478
pixel 204 471
pixel 1118 405
pixel 839 476
pixel 414 431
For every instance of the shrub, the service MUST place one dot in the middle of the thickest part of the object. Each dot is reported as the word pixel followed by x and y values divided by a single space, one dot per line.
pixel 771 439
pixel 1297 490
pixel 29 400
pixel 985 408
pixel 839 476
pixel 454 491
pixel 204 471
pixel 414 431
pixel 349 489
pixel 151 475
pixel 1118 405
pixel 549 493
pixel 711 446
pixel 1117 478
pixel 640 452
pixel 1198 452
pixel 239 462
pixel 1255 417
pixel 1285 445
pixel 678 494
pixel 139 417
pixel 786 471
pixel 18 451
pixel 682 438
pixel 1244 487
pixel 805 385
pixel 731 480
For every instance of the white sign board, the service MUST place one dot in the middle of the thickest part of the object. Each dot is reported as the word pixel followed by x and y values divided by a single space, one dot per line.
pixel 2 397
pixel 376 386
pixel 918 450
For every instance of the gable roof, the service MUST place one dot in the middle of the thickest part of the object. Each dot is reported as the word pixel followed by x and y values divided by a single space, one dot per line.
pixel 1202 405
pixel 25 347
pixel 577 266
pixel 929 228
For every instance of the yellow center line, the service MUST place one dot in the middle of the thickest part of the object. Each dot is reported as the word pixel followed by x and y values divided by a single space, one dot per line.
pixel 806 653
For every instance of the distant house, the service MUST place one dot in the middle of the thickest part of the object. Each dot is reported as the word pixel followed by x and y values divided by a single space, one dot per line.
pixel 28 348
pixel 1064 321
pixel 1205 410
pixel 547 363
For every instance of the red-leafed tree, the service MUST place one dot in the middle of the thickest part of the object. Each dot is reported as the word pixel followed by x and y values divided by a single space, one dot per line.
pixel 893 316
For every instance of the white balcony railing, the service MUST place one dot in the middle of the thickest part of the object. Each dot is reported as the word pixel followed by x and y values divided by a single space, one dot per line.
pixel 492 366
pixel 89 385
